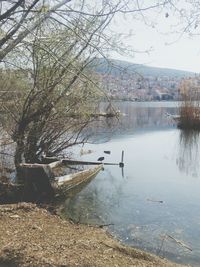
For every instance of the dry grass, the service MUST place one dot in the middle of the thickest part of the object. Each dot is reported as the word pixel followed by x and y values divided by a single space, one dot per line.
pixel 189 116
pixel 32 237
pixel 190 105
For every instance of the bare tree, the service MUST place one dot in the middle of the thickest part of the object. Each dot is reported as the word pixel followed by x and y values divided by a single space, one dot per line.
pixel 19 19
pixel 16 21
pixel 51 48
pixel 59 88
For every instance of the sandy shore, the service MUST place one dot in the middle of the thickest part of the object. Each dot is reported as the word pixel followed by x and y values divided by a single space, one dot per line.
pixel 31 236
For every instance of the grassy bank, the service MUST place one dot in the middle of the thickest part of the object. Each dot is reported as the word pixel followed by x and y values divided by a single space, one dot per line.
pixel 30 237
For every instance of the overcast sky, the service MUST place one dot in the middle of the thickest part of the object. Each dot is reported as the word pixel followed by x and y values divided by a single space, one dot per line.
pixel 166 48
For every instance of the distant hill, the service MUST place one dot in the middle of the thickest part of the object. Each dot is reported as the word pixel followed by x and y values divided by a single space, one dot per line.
pixel 117 67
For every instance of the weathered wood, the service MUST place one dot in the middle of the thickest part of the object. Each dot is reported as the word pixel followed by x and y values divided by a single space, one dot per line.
pixel 36 180
pixel 55 164
pixel 68 182
pixel 48 160
pixel 67 161
pixel 32 165
pixel 121 164
pixel 77 162
pixel 39 182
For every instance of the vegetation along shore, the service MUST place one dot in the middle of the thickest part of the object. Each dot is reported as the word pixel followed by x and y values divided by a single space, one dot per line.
pixel 55 73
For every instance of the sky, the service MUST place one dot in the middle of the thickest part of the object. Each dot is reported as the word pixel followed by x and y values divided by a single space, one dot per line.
pixel 166 46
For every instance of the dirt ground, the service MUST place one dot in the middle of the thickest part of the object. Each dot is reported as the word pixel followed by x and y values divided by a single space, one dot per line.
pixel 31 236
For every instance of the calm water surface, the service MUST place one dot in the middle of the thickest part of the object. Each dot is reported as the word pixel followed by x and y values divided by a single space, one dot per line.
pixel 155 203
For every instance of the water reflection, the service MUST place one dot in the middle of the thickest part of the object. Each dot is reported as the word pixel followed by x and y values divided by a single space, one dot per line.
pixel 95 203
pixel 135 117
pixel 189 157
pixel 160 164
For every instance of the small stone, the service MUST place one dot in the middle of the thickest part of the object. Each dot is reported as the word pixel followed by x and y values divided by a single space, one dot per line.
pixel 15 216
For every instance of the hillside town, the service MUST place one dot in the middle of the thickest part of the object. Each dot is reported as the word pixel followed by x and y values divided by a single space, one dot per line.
pixel 149 88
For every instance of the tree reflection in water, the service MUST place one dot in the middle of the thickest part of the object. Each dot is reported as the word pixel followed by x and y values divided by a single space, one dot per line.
pixel 188 154
pixel 134 117
pixel 159 163
pixel 95 203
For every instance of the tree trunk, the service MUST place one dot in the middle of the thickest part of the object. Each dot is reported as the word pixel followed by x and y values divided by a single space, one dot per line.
pixel 19 138
pixel 19 151
pixel 31 148
pixel 30 153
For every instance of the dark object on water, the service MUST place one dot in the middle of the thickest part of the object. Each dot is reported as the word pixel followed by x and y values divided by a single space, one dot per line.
pixel 101 159
pixel 153 200
pixel 166 15
pixel 107 152
pixel 121 164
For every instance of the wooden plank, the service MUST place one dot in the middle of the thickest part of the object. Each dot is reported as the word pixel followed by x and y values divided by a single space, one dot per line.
pixel 84 174
pixel 71 181
pixel 78 162
pixel 67 161
pixel 32 165
pixel 55 164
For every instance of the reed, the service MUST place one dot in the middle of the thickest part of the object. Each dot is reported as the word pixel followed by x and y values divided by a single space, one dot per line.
pixel 189 109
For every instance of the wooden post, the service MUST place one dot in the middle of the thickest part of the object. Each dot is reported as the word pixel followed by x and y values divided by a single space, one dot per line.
pixel 121 164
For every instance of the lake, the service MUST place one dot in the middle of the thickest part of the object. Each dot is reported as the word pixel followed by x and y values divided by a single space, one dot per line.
pixel 153 203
